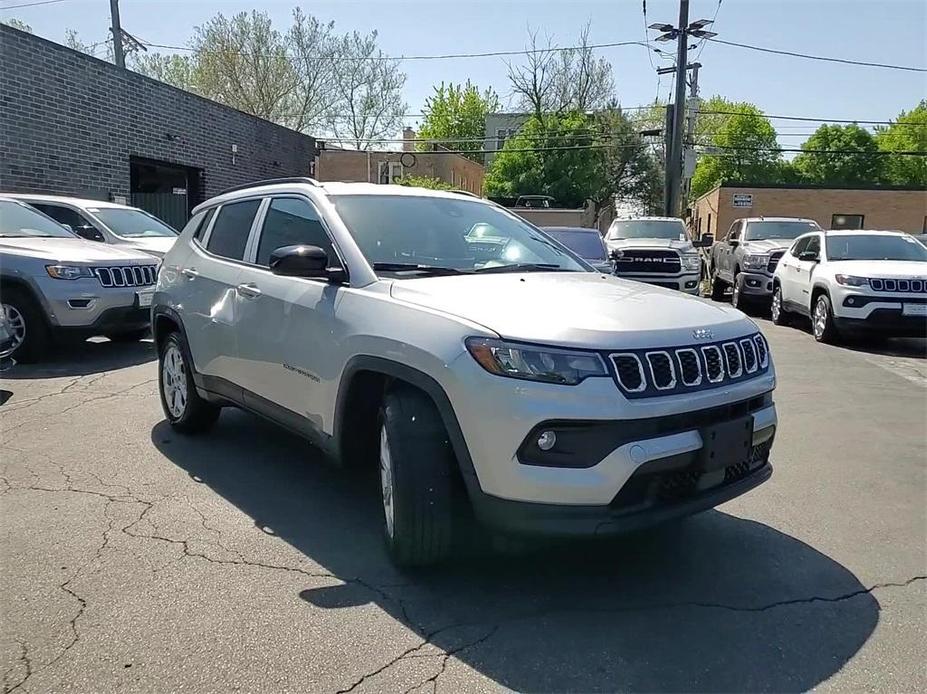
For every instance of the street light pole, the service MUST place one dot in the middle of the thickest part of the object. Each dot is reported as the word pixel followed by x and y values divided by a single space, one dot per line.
pixel 674 158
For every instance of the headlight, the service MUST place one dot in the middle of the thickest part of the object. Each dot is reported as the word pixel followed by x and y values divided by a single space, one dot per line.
pixel 535 363
pixel 851 280
pixel 68 272
pixel 755 261
pixel 691 262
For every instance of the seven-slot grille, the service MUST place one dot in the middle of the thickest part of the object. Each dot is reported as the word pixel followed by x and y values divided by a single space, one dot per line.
pixel 127 275
pixel 774 261
pixel 646 373
pixel 898 285
pixel 646 261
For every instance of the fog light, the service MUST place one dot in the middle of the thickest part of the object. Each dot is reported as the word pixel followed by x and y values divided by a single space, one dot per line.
pixel 850 301
pixel 753 283
pixel 690 284
pixel 547 440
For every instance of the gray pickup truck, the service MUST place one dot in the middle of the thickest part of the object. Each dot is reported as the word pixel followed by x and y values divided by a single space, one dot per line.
pixel 745 258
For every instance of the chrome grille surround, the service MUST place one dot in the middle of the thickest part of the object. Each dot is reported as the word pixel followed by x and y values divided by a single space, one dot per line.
pixel 126 275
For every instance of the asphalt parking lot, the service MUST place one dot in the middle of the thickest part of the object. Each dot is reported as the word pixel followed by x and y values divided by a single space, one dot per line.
pixel 136 559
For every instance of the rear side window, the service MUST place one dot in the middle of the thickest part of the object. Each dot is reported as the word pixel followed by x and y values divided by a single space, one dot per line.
pixel 230 232
pixel 203 224
pixel 292 222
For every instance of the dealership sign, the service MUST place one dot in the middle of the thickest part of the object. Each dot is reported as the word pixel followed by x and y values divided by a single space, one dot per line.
pixel 743 200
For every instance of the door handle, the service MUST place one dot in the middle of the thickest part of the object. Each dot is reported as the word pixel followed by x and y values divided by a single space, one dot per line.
pixel 249 290
pixel 190 273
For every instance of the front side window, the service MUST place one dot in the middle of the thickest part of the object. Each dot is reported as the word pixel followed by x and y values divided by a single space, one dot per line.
pixel 761 231
pixel 734 232
pixel 800 246
pixel 292 222
pixel 230 231
pixel 79 224
pixel 874 247
pixel 132 224
pixel 434 231
pixel 814 245
pixel 647 229
pixel 20 221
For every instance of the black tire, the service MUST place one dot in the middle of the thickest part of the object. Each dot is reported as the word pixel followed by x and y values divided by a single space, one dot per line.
pixel 777 311
pixel 424 488
pixel 718 286
pixel 738 300
pixel 37 341
pixel 194 415
pixel 129 336
pixel 822 326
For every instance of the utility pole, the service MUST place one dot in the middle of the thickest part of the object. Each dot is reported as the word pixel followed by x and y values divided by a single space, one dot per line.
pixel 680 34
pixel 116 30
pixel 692 109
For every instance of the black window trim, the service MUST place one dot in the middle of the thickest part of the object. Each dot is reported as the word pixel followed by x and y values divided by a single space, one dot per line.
pixel 251 251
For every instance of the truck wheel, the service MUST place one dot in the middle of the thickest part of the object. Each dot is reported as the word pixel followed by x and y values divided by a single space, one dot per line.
pixel 26 321
pixel 418 479
pixel 717 286
pixel 822 320
pixel 738 300
pixel 186 411
pixel 778 314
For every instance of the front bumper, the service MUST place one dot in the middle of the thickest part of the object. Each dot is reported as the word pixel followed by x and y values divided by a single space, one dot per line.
pixel 756 285
pixel 858 312
pixel 86 305
pixel 113 320
pixel 688 282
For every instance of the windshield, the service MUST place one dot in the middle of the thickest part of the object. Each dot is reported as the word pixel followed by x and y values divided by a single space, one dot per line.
pixel 760 231
pixel 648 229
pixel 20 221
pixel 132 223
pixel 874 247
pixel 464 235
pixel 586 244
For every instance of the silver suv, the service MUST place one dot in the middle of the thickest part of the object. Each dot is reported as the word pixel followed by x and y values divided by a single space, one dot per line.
pixel 506 380
pixel 55 285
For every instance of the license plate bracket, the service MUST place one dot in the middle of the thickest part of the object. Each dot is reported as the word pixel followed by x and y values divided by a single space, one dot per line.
pixel 726 444
pixel 914 309
pixel 143 299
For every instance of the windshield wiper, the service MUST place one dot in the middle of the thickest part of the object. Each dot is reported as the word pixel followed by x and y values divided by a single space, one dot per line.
pixel 416 267
pixel 521 267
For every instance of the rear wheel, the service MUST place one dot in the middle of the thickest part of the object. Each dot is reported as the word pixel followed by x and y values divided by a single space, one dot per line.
pixel 31 336
pixel 822 320
pixel 419 482
pixel 184 408
pixel 778 314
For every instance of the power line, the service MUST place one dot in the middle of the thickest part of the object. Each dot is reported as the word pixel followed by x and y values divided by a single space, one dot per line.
pixel 808 118
pixel 30 4
pixel 807 56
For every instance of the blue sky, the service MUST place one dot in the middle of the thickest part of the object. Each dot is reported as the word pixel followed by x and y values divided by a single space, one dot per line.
pixel 888 31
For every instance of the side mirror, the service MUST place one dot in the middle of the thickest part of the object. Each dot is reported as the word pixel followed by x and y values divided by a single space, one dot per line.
pixel 68 227
pixel 614 255
pixel 88 232
pixel 809 255
pixel 304 261
pixel 706 241
pixel 734 242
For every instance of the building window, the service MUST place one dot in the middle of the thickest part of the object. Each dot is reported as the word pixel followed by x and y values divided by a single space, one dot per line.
pixel 847 221
pixel 389 172
pixel 502 134
pixel 708 226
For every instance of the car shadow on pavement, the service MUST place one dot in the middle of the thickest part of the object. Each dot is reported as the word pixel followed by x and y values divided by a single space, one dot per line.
pixel 715 603
pixel 910 347
pixel 85 358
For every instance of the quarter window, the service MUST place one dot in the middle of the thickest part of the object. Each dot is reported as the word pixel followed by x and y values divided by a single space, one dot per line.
pixel 230 232
pixel 203 224
pixel 292 222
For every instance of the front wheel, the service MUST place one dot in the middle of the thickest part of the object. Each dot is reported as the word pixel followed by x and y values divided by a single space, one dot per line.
pixel 778 314
pixel 738 300
pixel 822 320
pixel 717 286
pixel 26 323
pixel 420 487
pixel 184 408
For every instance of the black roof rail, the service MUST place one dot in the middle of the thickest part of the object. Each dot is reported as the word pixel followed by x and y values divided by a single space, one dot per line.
pixel 272 181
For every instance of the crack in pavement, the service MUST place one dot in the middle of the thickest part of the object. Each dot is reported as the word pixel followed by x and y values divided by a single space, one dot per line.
pixel 23 658
pixel 447 656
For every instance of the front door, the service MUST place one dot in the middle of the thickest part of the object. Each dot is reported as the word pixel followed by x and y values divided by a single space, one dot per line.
pixel 288 341
pixel 803 273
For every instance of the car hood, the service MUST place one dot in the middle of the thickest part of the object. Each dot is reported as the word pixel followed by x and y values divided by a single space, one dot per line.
pixel 879 268
pixel 154 246
pixel 72 250
pixel 766 245
pixel 675 244
pixel 580 309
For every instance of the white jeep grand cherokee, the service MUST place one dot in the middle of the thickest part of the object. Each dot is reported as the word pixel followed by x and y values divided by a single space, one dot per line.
pixel 508 380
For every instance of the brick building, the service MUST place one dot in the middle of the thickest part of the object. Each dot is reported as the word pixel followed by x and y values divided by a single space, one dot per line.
pixel 902 209
pixel 377 166
pixel 75 125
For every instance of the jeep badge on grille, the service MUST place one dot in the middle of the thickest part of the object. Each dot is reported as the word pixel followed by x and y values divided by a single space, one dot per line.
pixel 702 334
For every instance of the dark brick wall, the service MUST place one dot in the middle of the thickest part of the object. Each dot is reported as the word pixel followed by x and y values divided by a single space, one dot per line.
pixel 69 124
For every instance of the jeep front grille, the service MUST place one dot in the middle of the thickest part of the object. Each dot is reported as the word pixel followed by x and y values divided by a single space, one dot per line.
pixel 644 262
pixel 649 373
pixel 898 285
pixel 127 275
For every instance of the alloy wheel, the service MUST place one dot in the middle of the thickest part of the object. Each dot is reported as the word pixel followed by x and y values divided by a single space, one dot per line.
pixel 16 324
pixel 776 306
pixel 386 482
pixel 174 382
pixel 820 317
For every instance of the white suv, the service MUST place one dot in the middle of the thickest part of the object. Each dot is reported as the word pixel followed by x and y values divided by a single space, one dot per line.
pixel 854 281
pixel 507 380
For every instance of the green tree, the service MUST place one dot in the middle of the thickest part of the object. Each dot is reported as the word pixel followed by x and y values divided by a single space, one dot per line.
pixel 907 134
pixel 455 117
pixel 841 155
pixel 425 182
pixel 741 143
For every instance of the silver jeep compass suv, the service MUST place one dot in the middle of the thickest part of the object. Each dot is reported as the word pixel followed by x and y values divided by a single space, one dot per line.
pixel 507 380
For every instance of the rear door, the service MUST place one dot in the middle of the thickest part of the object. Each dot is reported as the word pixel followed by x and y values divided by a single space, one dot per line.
pixel 287 341
pixel 210 276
